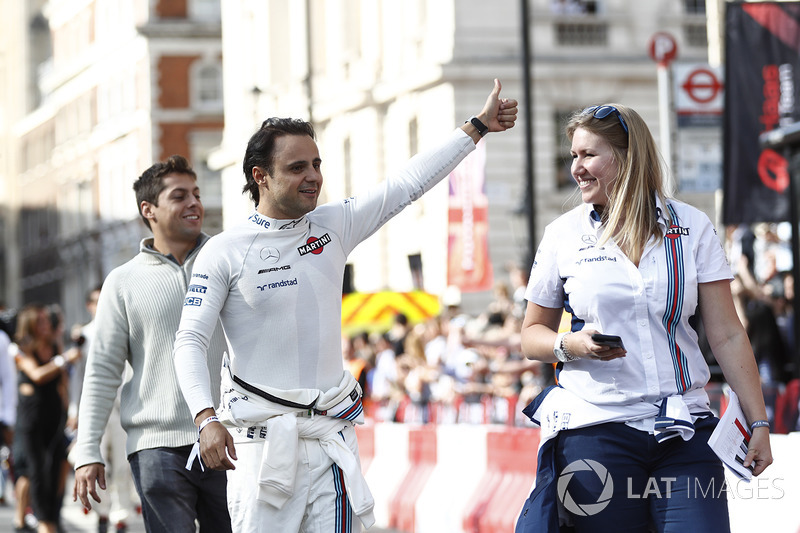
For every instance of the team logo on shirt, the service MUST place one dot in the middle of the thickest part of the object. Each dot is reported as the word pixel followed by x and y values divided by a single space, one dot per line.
pixel 270 254
pixel 198 288
pixel 292 224
pixel 192 300
pixel 314 245
pixel 675 231
pixel 589 239
pixel 277 285
pixel 597 259
pixel 274 269
pixel 261 221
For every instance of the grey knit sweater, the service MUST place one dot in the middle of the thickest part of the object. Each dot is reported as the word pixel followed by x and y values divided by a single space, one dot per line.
pixel 137 317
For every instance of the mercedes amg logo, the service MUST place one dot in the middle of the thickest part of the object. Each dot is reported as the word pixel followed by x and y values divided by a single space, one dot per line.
pixel 270 254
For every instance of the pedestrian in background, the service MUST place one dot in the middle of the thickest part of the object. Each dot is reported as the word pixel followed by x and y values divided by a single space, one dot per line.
pixel 630 261
pixel 137 316
pixel 8 405
pixel 39 441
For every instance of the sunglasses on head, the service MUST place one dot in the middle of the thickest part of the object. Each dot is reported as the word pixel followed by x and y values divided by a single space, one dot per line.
pixel 602 111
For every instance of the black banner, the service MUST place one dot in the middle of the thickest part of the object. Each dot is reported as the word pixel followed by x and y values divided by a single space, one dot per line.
pixel 762 65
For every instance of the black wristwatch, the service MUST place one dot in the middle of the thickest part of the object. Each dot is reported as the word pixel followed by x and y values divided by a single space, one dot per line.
pixel 482 128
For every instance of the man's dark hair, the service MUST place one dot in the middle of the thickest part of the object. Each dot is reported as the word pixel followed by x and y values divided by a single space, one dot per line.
pixel 150 184
pixel 260 148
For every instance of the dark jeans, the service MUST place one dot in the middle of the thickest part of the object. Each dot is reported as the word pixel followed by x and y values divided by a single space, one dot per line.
pixel 675 486
pixel 173 497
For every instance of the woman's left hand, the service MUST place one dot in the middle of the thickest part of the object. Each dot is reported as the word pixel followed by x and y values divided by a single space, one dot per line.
pixel 759 453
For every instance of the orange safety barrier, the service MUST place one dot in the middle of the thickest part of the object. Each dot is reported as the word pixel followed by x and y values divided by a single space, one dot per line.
pixel 507 482
pixel 422 458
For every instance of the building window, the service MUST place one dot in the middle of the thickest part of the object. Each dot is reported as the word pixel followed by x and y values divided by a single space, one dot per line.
pixel 696 35
pixel 695 7
pixel 581 33
pixel 207 86
pixel 574 7
pixel 563 159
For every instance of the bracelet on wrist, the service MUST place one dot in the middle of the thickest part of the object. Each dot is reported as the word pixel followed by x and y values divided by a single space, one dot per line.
pixel 207 421
pixel 560 348
pixel 759 424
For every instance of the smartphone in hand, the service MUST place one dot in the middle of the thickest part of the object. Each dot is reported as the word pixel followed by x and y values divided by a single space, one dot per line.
pixel 612 341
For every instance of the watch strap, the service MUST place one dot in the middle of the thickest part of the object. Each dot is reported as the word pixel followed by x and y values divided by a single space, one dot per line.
pixel 482 128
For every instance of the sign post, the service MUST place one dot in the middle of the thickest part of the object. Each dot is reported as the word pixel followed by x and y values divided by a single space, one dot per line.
pixel 697 105
pixel 663 49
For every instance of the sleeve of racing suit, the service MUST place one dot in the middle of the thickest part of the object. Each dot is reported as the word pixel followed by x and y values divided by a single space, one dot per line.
pixel 365 213
pixel 198 321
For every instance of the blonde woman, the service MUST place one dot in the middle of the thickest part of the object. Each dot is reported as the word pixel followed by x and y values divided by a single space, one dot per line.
pixel 632 262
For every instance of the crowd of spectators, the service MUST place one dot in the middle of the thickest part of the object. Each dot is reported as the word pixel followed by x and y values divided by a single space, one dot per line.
pixel 453 367
pixel 763 289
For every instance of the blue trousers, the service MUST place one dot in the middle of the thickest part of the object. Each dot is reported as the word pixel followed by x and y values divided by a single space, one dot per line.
pixel 173 497
pixel 675 486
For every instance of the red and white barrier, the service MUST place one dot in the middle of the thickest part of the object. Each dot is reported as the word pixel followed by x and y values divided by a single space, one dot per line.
pixel 387 466
pixel 461 465
pixel 442 478
pixel 509 477
pixel 463 478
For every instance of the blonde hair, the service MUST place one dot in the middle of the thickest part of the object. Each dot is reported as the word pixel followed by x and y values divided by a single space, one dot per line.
pixel 27 323
pixel 631 207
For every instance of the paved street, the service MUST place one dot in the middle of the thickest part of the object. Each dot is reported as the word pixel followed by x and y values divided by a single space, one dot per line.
pixel 75 520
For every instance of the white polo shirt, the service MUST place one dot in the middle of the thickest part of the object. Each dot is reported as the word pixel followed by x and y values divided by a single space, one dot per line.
pixel 649 306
